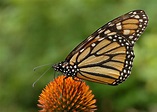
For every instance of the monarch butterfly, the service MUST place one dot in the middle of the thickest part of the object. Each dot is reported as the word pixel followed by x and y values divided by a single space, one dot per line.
pixel 106 56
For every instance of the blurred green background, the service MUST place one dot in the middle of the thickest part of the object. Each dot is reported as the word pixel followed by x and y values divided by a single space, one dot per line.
pixel 37 32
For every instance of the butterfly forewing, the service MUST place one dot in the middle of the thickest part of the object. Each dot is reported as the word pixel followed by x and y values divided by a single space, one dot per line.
pixel 107 55
pixel 130 26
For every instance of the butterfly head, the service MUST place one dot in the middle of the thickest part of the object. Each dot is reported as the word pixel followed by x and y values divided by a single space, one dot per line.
pixel 59 67
pixel 65 68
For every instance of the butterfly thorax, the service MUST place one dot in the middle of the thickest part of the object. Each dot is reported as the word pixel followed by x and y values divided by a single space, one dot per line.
pixel 65 68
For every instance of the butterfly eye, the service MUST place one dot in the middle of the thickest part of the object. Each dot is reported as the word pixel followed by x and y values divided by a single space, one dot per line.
pixel 106 56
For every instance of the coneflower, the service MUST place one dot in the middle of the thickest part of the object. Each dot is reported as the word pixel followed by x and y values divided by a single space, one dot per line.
pixel 66 95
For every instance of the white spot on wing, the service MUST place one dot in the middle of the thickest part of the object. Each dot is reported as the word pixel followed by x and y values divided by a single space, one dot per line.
pixel 93 44
pixel 107 31
pixel 141 20
pixel 119 27
pixel 112 33
pixel 81 50
pixel 130 37
pixel 137 16
pixel 100 39
pixel 126 32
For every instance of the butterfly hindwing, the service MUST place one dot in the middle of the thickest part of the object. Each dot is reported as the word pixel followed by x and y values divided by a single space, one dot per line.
pixel 107 60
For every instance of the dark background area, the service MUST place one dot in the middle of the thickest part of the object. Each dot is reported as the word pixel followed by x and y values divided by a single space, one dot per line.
pixel 37 32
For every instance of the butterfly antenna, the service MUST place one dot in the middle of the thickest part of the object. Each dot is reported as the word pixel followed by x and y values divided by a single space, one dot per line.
pixel 40 77
pixel 40 66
